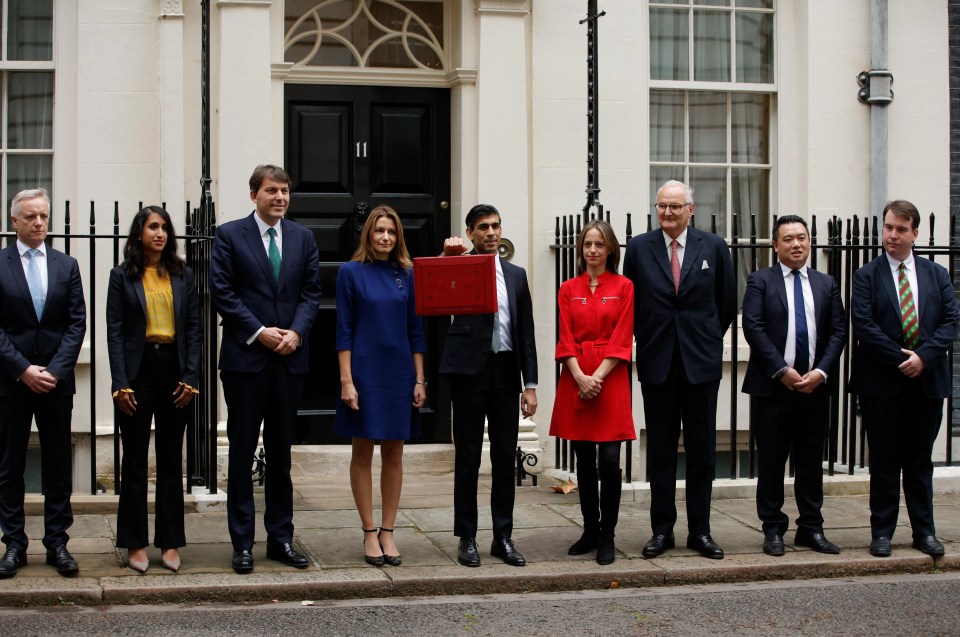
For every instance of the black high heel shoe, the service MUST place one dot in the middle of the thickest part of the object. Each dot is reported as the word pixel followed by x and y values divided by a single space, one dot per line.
pixel 373 560
pixel 392 560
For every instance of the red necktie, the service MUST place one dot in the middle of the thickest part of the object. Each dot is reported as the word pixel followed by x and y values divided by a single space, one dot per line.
pixel 908 311
pixel 675 265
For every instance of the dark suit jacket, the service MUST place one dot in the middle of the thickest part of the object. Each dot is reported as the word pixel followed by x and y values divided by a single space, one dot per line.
pixel 879 333
pixel 696 316
pixel 54 341
pixel 765 321
pixel 127 326
pixel 246 296
pixel 469 336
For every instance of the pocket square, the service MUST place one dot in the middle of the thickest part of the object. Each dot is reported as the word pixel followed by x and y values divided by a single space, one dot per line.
pixel 705 266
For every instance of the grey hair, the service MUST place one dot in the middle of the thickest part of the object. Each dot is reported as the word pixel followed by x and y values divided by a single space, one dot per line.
pixel 673 182
pixel 27 195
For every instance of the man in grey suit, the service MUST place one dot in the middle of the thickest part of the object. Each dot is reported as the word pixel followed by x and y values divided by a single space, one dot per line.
pixel 684 300
pixel 489 359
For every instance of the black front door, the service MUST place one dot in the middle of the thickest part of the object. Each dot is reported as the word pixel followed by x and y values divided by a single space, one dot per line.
pixel 349 149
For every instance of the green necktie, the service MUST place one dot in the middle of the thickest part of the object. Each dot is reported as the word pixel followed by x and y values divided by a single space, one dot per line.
pixel 273 253
pixel 908 311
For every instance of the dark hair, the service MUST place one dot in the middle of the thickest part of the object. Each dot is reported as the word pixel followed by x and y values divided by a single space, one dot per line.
pixel 785 219
pixel 478 211
pixel 364 252
pixel 264 171
pixel 134 260
pixel 609 238
pixel 903 208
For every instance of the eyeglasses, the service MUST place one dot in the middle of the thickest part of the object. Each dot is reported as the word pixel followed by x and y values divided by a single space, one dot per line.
pixel 674 207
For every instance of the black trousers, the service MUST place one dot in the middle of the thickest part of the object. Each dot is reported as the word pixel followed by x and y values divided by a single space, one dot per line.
pixel 790 423
pixel 901 431
pixel 52 414
pixel 153 390
pixel 492 395
pixel 599 483
pixel 269 397
pixel 669 408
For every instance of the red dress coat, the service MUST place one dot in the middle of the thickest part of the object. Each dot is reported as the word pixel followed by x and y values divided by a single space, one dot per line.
pixel 595 326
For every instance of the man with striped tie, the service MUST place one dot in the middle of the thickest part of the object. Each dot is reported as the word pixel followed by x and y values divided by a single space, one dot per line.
pixel 904 321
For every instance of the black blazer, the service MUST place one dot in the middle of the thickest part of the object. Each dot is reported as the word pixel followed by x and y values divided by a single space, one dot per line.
pixel 765 321
pixel 879 333
pixel 469 336
pixel 54 341
pixel 696 316
pixel 127 326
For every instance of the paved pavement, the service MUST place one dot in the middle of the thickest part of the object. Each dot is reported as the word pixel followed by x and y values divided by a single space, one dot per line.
pixel 328 531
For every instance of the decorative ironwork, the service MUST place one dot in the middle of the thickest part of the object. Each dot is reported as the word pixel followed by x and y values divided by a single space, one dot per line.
pixel 593 112
pixel 361 210
pixel 259 467
pixel 528 459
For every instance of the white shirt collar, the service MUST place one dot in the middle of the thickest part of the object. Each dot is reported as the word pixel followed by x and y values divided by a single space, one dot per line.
pixel 23 247
pixel 681 240
pixel 895 263
pixel 263 225
pixel 787 270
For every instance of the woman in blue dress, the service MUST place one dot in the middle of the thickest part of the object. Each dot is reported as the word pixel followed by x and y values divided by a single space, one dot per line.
pixel 380 346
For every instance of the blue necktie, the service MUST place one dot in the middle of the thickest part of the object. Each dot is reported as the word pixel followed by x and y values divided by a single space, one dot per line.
pixel 34 281
pixel 802 355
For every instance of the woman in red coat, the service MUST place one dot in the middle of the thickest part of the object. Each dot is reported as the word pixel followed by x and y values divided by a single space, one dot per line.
pixel 593 404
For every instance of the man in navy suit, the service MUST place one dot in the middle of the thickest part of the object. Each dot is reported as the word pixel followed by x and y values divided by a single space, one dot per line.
pixel 42 322
pixel 904 321
pixel 684 299
pixel 489 359
pixel 264 282
pixel 794 321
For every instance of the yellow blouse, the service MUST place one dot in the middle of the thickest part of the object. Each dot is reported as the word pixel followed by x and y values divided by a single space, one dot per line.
pixel 161 325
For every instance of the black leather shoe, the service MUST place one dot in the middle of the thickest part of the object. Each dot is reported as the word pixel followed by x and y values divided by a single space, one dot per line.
pixel 929 545
pixel 467 553
pixel 773 544
pixel 586 543
pixel 507 551
pixel 659 543
pixel 61 558
pixel 12 561
pixel 880 547
pixel 285 554
pixel 816 541
pixel 705 546
pixel 243 561
pixel 606 550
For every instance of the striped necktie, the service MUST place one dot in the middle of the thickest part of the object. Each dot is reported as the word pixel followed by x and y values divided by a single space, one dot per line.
pixel 908 310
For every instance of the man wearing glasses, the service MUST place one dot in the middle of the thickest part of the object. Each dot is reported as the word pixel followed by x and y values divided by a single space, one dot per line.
pixel 685 299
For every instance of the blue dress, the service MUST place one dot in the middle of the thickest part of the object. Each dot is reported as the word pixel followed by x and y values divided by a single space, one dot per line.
pixel 377 322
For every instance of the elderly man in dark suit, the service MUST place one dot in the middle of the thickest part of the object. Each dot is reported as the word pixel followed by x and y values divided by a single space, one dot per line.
pixel 904 321
pixel 794 321
pixel 42 322
pixel 684 299
pixel 489 359
pixel 264 281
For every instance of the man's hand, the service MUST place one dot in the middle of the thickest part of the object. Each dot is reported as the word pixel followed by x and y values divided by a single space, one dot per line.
pixel 38 379
pixel 528 402
pixel 791 378
pixel 913 366
pixel 279 340
pixel 810 381
pixel 348 394
pixel 453 246
pixel 126 402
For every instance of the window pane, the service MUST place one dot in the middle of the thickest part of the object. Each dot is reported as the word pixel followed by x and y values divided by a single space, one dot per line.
pixel 711 46
pixel 28 171
pixel 669 52
pixel 758 4
pixel 30 110
pixel 713 3
pixel 751 196
pixel 754 47
pixel 659 175
pixel 710 194
pixel 750 118
pixel 666 125
pixel 708 127
pixel 30 30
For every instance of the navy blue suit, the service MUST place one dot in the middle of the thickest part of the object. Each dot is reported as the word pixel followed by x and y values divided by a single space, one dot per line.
pixel 258 384
pixel 785 419
pixel 679 363
pixel 901 415
pixel 54 342
pixel 487 386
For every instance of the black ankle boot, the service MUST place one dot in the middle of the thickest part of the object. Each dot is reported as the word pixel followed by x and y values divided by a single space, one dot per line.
pixel 606 551
pixel 586 543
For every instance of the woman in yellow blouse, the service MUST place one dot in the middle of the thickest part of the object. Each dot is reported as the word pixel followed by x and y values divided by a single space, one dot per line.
pixel 153 336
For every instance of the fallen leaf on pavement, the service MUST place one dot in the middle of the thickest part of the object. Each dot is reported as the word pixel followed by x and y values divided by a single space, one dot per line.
pixel 566 487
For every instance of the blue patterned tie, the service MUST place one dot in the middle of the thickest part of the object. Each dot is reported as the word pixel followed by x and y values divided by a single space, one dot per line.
pixel 34 281
pixel 273 254
pixel 802 356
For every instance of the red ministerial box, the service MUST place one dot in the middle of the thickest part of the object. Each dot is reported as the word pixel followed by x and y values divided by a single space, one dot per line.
pixel 465 284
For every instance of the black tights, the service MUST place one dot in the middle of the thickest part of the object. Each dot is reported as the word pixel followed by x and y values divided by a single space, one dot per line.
pixel 600 507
